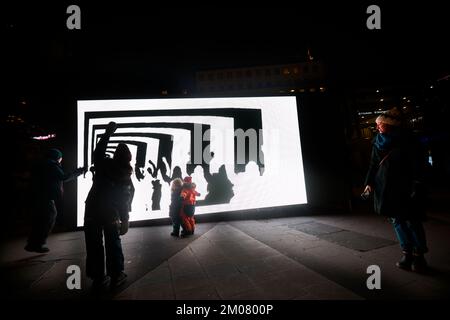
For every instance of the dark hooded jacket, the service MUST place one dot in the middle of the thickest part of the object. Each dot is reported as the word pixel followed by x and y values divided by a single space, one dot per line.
pixel 48 178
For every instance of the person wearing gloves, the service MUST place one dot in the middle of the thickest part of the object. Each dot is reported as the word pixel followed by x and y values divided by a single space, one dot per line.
pixel 47 186
pixel 107 212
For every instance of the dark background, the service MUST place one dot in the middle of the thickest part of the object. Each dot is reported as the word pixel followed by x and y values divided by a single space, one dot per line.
pixel 132 50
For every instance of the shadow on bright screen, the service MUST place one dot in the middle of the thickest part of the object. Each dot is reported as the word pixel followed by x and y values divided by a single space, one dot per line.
pixel 242 153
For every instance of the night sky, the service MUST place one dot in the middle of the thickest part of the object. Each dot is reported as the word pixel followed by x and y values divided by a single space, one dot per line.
pixel 132 50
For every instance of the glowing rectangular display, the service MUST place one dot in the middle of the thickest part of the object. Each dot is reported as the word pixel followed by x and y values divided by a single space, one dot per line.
pixel 242 153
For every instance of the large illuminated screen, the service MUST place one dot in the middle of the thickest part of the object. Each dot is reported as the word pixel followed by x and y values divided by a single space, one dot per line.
pixel 242 153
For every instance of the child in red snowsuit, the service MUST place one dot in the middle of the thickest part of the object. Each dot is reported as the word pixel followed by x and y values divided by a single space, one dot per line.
pixel 188 195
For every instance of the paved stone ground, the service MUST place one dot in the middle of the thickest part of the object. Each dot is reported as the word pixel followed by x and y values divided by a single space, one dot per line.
pixel 273 259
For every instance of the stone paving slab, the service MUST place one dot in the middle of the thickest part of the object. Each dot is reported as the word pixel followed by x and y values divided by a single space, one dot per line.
pixel 315 228
pixel 242 268
pixel 347 266
pixel 357 241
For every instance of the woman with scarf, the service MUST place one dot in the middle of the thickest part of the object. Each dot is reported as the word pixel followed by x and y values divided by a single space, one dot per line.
pixel 394 178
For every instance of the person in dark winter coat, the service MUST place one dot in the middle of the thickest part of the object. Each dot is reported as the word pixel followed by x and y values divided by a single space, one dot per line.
pixel 107 212
pixel 175 206
pixel 394 177
pixel 47 190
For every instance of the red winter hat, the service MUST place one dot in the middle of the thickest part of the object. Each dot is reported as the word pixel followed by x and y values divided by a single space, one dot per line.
pixel 188 179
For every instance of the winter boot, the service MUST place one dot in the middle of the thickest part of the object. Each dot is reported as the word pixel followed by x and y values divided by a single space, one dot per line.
pixel 419 264
pixel 406 261
pixel 118 280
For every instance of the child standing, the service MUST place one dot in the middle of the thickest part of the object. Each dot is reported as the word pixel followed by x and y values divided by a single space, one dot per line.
pixel 188 195
pixel 175 206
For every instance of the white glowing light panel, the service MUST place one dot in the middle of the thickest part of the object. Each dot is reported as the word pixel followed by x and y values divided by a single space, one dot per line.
pixel 242 153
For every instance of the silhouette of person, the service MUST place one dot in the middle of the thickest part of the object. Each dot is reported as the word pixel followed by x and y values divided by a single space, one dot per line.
pixel 107 212
pixel 220 188
pixel 47 186
pixel 156 196
pixel 176 173
pixel 175 206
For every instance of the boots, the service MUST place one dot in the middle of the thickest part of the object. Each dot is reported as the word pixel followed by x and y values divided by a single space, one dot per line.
pixel 100 283
pixel 419 263
pixel 175 232
pixel 415 262
pixel 406 262
pixel 118 279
